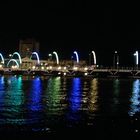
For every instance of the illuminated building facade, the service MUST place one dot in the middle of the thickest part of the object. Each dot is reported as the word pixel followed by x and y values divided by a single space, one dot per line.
pixel 26 47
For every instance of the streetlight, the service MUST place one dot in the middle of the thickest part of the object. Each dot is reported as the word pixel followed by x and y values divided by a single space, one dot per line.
pixel 137 58
pixel 116 60
pixel 50 56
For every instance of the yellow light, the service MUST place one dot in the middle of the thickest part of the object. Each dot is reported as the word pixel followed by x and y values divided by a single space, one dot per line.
pixel 65 68
pixel 85 68
pixel 0 66
pixel 42 68
pixel 15 66
pixel 75 68
pixel 50 67
pixel 59 68
pixel 33 67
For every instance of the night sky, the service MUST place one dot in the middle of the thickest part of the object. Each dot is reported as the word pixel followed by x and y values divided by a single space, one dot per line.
pixel 66 27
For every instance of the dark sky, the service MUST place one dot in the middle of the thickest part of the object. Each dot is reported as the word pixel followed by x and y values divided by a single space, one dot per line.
pixel 65 27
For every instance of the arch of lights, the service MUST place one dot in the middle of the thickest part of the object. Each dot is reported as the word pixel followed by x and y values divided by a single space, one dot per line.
pixel 2 58
pixel 56 55
pixel 137 57
pixel 19 57
pixel 13 60
pixel 35 53
pixel 77 57
pixel 94 57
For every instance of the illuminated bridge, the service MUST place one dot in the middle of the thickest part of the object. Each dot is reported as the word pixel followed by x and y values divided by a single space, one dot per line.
pixel 15 65
pixel 72 71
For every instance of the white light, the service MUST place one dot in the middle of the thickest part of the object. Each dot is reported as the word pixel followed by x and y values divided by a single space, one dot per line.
pixel 57 59
pixel 2 58
pixel 33 67
pixel 0 66
pixel 94 56
pixel 65 68
pixel 59 68
pixel 137 59
pixel 77 57
pixel 16 53
pixel 42 68
pixel 10 55
pixel 59 73
pixel 86 73
pixel 13 61
pixel 15 66
pixel 64 73
pixel 50 67
pixel 85 68
pixel 75 68
pixel 49 54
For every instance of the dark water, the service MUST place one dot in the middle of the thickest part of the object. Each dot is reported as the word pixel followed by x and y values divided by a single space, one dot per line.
pixel 57 105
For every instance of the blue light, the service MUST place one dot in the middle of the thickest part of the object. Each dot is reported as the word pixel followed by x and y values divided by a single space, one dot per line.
pixel 35 94
pixel 1 80
pixel 135 99
pixel 2 89
pixel 75 97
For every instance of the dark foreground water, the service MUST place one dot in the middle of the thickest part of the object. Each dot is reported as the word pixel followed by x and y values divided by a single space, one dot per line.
pixel 53 106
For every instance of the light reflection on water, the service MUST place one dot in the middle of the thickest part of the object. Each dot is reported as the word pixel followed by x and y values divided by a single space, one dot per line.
pixel 116 92
pixel 35 95
pixel 13 99
pixel 135 98
pixel 60 101
pixel 53 95
pixel 74 101
pixel 34 101
pixel 75 95
pixel 93 96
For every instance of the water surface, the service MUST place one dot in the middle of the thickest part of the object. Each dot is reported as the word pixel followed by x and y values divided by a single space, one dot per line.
pixel 55 104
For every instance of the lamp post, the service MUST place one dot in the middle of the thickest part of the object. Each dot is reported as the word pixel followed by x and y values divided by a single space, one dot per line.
pixel 116 60
pixel 50 56
pixel 137 59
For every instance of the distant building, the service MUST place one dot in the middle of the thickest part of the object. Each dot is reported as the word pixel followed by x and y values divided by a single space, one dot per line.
pixel 26 47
